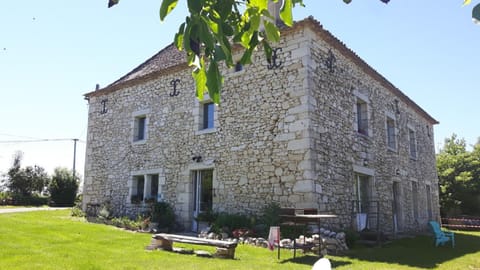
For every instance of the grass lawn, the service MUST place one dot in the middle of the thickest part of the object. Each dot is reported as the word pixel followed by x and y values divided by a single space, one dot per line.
pixel 54 240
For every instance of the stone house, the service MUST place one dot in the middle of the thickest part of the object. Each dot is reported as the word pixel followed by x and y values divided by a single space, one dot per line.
pixel 317 128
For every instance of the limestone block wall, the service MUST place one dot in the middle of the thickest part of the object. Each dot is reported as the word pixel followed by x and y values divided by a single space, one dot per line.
pixel 259 149
pixel 284 135
pixel 340 152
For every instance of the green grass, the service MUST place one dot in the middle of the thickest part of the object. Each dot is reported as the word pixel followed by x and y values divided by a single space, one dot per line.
pixel 54 240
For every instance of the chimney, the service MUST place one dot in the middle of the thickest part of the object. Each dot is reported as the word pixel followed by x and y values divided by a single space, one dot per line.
pixel 274 10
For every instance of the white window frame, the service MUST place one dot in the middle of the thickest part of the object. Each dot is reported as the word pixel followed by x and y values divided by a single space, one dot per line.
pixel 198 112
pixel 136 117
pixel 147 176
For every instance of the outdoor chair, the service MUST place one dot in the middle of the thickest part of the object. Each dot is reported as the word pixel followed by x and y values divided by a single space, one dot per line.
pixel 441 236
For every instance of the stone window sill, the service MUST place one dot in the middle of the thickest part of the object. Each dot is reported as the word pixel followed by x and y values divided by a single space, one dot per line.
pixel 139 142
pixel 206 131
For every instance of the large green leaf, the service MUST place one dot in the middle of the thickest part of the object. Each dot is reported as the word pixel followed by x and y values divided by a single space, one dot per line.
pixel 272 31
pixel 286 13
pixel 268 51
pixel 195 6
pixel 214 82
pixel 200 78
pixel 179 37
pixel 224 8
pixel 166 7
pixel 205 36
pixel 261 4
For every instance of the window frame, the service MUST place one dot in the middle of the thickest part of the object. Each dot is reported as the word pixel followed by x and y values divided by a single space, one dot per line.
pixel 361 109
pixel 391 133
pixel 151 191
pixel 412 143
pixel 199 119
pixel 140 117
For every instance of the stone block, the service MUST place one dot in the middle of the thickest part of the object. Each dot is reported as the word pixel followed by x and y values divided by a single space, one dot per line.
pixel 303 186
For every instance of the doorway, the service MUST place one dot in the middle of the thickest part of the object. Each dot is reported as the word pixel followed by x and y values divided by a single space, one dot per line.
pixel 202 181
pixel 397 208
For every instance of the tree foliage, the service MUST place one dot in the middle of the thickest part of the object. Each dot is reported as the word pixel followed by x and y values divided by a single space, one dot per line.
pixel 459 177
pixel 213 27
pixel 25 181
pixel 475 10
pixel 63 187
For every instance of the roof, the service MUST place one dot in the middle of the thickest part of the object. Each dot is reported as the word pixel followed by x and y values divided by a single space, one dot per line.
pixel 170 59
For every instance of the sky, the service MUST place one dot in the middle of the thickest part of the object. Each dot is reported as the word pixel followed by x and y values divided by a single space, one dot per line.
pixel 53 52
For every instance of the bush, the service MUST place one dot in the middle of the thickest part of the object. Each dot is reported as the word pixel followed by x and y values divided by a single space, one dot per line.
pixel 226 222
pixel 63 187
pixel 77 212
pixel 126 223
pixel 351 238
pixel 30 200
pixel 163 214
pixel 270 216
pixel 5 198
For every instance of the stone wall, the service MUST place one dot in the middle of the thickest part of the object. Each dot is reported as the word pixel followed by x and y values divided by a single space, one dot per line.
pixel 284 135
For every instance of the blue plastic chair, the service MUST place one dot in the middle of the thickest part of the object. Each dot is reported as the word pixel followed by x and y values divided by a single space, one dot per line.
pixel 441 237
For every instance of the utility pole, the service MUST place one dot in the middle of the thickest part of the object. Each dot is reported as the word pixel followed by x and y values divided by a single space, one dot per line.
pixel 74 155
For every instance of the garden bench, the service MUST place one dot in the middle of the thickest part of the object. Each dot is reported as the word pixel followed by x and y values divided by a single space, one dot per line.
pixel 225 249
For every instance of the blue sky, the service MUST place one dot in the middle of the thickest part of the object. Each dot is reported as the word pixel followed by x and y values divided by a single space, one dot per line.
pixel 52 52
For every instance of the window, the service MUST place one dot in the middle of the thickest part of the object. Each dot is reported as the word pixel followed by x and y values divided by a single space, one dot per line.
pixel 391 139
pixel 145 188
pixel 415 200
pixel 362 116
pixel 140 128
pixel 207 115
pixel 138 186
pixel 412 143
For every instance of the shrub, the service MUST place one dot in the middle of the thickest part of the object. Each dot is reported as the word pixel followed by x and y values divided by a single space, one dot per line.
pixel 351 238
pixel 77 212
pixel 5 198
pixel 226 222
pixel 207 216
pixel 270 216
pixel 126 223
pixel 63 187
pixel 77 208
pixel 31 200
pixel 163 214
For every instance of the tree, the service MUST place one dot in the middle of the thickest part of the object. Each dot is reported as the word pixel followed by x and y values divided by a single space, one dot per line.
pixel 63 187
pixel 475 11
pixel 459 177
pixel 26 181
pixel 213 27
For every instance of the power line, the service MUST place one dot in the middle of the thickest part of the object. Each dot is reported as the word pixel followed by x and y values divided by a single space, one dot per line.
pixel 41 140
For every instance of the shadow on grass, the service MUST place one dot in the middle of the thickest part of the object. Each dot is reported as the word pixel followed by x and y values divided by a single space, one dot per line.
pixel 311 259
pixel 418 252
